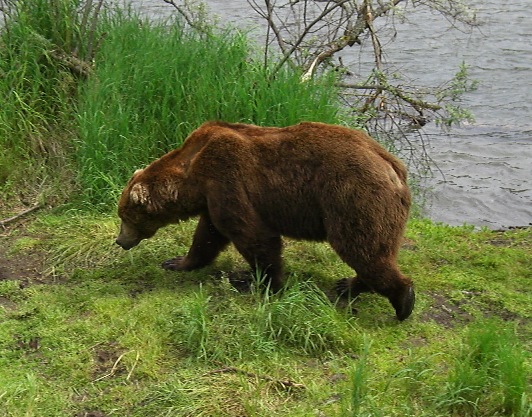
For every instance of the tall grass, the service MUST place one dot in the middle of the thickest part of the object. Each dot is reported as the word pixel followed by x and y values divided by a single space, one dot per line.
pixel 300 320
pixel 42 42
pixel 150 85
pixel 37 94
pixel 359 382
pixel 489 376
pixel 155 83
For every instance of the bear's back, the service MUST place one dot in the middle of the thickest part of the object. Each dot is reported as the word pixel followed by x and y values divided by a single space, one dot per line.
pixel 299 175
pixel 317 144
pixel 298 153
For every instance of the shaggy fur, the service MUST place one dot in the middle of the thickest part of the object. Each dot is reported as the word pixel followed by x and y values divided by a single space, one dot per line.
pixel 250 185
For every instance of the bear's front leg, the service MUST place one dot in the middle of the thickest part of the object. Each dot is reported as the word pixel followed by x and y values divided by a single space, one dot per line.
pixel 264 257
pixel 207 243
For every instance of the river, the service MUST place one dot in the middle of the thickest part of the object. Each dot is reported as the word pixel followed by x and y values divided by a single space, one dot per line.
pixel 484 168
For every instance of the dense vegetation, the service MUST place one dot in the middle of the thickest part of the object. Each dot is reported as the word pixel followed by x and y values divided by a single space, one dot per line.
pixel 149 85
pixel 89 330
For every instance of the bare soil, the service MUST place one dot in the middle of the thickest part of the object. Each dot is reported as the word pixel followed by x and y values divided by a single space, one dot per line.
pixel 27 268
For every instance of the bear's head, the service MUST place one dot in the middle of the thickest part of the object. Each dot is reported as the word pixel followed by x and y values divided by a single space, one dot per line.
pixel 146 204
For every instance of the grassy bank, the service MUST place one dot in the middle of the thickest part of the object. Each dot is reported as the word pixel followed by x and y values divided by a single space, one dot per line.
pixel 88 329
pixel 154 85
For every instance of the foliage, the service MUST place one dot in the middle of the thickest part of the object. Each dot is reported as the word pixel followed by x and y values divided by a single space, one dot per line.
pixel 110 92
pixel 94 92
pixel 490 365
pixel 38 81
pixel 311 34
pixel 155 83
pixel 460 84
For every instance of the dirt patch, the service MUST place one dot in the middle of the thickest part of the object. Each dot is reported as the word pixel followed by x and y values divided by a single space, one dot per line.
pixel 27 267
pixel 446 312
pixel 107 359
pixel 28 345
pixel 408 244
pixel 449 313
pixel 501 239
pixel 7 304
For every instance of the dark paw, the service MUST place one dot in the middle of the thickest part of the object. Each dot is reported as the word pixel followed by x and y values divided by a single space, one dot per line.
pixel 175 264
pixel 241 281
pixel 343 287
pixel 404 304
pixel 350 287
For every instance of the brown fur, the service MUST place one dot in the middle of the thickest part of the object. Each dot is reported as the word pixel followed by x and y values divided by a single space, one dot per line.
pixel 250 185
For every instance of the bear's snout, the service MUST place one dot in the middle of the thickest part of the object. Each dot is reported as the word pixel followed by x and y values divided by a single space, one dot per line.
pixel 126 238
pixel 123 244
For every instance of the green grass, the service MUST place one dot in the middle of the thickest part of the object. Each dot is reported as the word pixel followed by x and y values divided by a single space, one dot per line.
pixel 155 84
pixel 108 331
pixel 36 121
pixel 490 364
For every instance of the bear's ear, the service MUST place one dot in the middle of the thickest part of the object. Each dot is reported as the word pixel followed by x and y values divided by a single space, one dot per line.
pixel 169 191
pixel 139 194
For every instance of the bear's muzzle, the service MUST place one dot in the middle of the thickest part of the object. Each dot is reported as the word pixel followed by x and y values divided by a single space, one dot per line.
pixel 127 238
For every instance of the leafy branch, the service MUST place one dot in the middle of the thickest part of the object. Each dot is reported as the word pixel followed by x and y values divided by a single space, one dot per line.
pixel 310 34
pixel 193 13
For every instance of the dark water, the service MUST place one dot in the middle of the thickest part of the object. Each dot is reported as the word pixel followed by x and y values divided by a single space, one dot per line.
pixel 485 167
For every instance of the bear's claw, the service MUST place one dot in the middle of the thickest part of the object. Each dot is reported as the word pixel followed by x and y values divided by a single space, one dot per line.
pixel 404 304
pixel 350 287
pixel 174 264
pixel 342 287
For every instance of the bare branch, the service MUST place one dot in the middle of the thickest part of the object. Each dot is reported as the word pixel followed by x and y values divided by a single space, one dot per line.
pixel 189 17
pixel 181 11
pixel 417 104
pixel 368 14
pixel 365 18
pixel 310 33
pixel 4 222
pixel 77 66
pixel 452 10
pixel 92 31
pixel 327 10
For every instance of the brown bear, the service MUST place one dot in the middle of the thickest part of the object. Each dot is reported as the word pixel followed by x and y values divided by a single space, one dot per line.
pixel 250 185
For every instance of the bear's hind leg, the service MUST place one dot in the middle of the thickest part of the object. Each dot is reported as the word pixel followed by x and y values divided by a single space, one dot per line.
pixel 207 243
pixel 386 280
pixel 377 273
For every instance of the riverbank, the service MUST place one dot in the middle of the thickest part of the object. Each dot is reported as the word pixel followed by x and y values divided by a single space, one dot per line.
pixel 88 329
